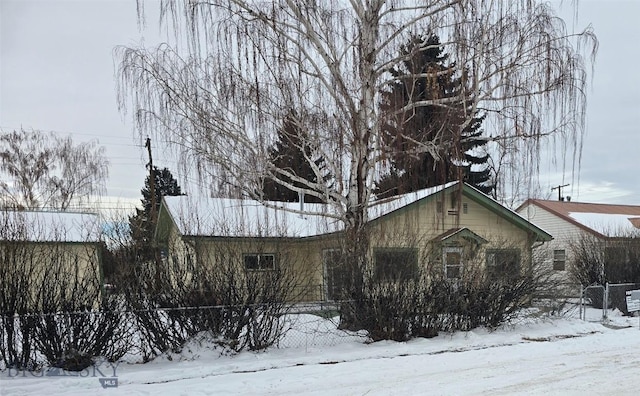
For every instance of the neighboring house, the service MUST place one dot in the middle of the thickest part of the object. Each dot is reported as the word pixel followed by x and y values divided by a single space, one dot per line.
pixel 49 259
pixel 577 226
pixel 451 229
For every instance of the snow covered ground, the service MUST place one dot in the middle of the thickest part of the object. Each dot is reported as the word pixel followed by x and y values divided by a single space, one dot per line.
pixel 534 355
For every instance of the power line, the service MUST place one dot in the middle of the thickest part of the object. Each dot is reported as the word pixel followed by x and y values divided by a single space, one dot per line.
pixel 58 132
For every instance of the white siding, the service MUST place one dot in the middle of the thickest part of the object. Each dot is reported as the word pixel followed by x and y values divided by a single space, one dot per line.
pixel 564 234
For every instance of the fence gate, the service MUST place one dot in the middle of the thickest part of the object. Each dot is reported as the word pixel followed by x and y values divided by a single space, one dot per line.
pixel 605 297
pixel 595 296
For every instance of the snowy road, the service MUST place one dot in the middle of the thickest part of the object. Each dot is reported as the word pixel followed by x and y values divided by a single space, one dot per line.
pixel 560 357
pixel 604 364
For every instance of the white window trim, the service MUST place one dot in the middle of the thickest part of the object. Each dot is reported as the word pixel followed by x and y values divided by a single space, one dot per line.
pixel 563 261
pixel 449 249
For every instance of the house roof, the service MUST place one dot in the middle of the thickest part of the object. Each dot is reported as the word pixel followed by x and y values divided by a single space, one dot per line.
pixel 249 218
pixel 603 220
pixel 40 226
pixel 246 218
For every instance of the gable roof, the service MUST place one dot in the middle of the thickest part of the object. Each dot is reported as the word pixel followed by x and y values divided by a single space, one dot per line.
pixel 456 233
pixel 602 220
pixel 40 226
pixel 512 216
pixel 249 218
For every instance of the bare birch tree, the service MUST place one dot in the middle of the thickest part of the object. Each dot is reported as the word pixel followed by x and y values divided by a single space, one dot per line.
pixel 45 170
pixel 238 67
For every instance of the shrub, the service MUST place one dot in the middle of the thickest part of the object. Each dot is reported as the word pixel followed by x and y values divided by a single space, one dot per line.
pixel 402 309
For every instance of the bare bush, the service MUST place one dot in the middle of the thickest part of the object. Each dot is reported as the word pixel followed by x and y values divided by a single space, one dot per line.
pixel 210 289
pixel 16 344
pixel 52 302
pixel 613 259
pixel 587 267
pixel 607 259
pixel 427 302
pixel 76 322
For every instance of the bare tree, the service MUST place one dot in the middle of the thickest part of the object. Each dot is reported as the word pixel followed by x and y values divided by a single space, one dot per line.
pixel 240 66
pixel 614 259
pixel 45 170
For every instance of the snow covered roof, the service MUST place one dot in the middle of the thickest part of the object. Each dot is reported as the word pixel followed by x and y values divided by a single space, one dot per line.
pixel 40 226
pixel 602 219
pixel 250 218
pixel 246 218
pixel 609 224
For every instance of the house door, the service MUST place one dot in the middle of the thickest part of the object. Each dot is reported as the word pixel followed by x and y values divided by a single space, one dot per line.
pixel 335 274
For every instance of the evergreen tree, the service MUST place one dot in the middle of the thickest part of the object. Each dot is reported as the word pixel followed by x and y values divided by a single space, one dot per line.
pixel 288 153
pixel 426 75
pixel 142 225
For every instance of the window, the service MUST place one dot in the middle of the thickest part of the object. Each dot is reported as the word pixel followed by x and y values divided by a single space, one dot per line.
pixel 503 263
pixel 559 260
pixel 465 208
pixel 259 262
pixel 336 274
pixel 396 263
pixel 452 258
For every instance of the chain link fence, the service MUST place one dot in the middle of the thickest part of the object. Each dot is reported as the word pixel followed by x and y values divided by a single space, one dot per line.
pixel 609 296
pixel 136 328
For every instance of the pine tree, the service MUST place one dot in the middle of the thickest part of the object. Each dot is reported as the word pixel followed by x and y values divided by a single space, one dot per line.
pixel 141 224
pixel 288 153
pixel 411 170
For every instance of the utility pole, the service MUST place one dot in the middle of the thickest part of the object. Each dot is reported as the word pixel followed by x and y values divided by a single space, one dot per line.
pixel 154 214
pixel 152 182
pixel 559 188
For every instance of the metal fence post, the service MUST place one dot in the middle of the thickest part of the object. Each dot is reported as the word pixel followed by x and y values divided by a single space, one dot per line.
pixel 581 300
pixel 605 307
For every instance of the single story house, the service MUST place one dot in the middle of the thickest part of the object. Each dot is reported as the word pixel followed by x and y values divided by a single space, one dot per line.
pixel 48 259
pixel 604 233
pixel 449 228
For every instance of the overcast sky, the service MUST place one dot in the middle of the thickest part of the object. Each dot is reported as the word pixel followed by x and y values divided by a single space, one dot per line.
pixel 57 74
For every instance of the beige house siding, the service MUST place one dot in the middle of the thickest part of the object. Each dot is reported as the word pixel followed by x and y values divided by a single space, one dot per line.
pixel 301 260
pixel 49 260
pixel 422 218
pixel 418 224
pixel 486 224
pixel 51 274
